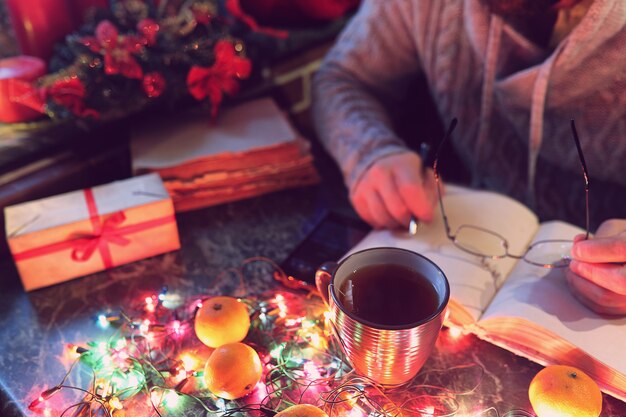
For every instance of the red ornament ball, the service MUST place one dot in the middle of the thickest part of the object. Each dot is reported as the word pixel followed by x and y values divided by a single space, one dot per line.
pixel 153 84
pixel 149 29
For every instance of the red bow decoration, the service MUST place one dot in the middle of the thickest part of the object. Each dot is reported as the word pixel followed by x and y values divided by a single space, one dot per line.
pixel 103 235
pixel 222 77
pixel 68 92
pixel 117 50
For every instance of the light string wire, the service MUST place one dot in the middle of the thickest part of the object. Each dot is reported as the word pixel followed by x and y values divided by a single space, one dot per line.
pixel 291 333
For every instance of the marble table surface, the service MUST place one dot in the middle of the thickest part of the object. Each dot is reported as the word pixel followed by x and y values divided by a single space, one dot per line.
pixel 36 326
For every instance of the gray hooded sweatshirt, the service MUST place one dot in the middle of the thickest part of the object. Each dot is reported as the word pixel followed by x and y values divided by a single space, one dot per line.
pixel 513 99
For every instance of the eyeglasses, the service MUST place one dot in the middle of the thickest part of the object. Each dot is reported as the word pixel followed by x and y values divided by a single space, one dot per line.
pixel 489 244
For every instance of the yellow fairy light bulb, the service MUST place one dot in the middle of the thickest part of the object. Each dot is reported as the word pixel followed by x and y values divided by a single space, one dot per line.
pixel 189 361
pixel 115 403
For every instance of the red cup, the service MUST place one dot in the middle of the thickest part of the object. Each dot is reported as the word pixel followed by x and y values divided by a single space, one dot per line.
pixel 25 68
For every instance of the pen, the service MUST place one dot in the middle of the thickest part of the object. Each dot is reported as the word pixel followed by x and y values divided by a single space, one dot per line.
pixel 423 153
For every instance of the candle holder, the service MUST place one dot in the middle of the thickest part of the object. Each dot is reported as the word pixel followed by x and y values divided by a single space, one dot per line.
pixel 18 69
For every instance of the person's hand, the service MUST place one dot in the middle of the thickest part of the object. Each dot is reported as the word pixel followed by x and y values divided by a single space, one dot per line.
pixel 394 188
pixel 597 272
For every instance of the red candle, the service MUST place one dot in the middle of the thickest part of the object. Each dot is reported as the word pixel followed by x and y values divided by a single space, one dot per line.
pixel 39 24
pixel 26 68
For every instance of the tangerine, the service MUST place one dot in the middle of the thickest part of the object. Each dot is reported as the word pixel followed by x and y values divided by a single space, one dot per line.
pixel 564 391
pixel 302 410
pixel 222 320
pixel 232 371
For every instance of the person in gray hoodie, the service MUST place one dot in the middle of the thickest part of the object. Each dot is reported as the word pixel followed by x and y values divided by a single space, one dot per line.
pixel 514 72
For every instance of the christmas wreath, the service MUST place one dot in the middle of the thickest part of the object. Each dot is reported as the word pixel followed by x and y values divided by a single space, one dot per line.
pixel 138 53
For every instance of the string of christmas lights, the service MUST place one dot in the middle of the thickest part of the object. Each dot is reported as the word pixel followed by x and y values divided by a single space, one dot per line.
pixel 153 364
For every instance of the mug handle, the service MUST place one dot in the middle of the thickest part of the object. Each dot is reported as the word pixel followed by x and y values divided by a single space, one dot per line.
pixel 323 277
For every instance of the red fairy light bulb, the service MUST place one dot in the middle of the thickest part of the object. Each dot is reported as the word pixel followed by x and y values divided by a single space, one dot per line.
pixel 144 327
pixel 150 307
pixel 177 327
pixel 44 396
pixel 181 384
pixel 36 402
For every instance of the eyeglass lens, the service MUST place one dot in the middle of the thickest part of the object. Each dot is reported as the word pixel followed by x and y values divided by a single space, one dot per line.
pixel 550 253
pixel 486 243
pixel 480 242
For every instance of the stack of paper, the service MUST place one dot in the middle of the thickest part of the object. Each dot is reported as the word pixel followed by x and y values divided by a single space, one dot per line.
pixel 250 150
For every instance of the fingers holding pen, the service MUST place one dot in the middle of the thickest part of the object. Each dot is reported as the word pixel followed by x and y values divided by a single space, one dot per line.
pixel 597 272
pixel 377 202
pixel 418 192
pixel 394 189
pixel 601 249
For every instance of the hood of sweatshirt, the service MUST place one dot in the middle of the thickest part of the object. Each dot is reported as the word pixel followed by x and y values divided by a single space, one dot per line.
pixel 560 81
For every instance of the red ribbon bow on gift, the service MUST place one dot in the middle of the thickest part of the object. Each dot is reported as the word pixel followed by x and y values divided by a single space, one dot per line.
pixel 107 232
pixel 103 235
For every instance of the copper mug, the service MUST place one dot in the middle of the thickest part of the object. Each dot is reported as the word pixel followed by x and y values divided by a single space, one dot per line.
pixel 386 354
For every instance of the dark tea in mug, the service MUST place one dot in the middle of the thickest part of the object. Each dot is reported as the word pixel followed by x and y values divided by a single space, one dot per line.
pixel 387 306
pixel 389 295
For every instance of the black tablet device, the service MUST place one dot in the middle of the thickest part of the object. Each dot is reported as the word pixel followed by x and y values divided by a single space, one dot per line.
pixel 329 240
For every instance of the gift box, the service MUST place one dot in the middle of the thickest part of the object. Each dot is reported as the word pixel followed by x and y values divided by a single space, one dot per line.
pixel 78 233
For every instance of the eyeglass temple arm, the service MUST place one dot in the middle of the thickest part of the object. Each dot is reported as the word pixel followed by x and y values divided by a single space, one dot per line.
pixel 451 128
pixel 585 175
pixel 443 212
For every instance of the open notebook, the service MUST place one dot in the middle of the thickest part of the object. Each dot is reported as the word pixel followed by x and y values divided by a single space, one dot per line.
pixel 525 309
